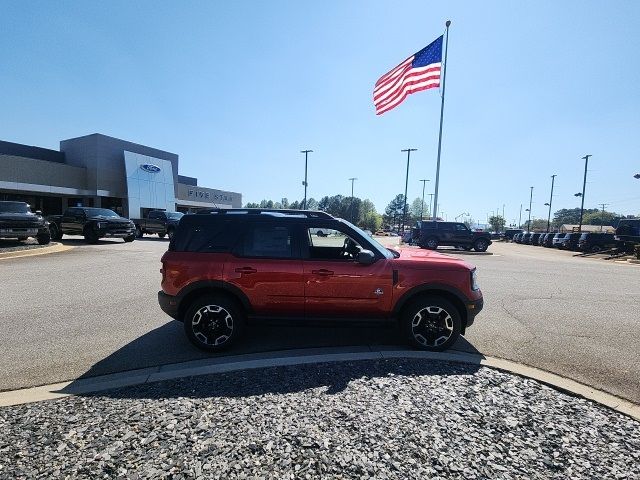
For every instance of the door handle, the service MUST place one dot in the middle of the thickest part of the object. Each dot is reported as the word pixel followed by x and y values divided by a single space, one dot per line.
pixel 246 270
pixel 322 271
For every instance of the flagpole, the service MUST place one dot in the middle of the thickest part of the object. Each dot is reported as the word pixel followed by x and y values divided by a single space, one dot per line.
pixel 444 80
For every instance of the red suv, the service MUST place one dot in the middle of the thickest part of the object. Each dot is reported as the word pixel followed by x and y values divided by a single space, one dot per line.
pixel 226 267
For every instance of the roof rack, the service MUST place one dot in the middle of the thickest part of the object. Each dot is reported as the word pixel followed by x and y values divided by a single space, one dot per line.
pixel 258 211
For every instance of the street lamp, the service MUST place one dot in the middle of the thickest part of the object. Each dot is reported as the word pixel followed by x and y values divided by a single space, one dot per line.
pixel 529 210
pixel 584 185
pixel 424 182
pixel 553 179
pixel 406 185
pixel 637 175
pixel 352 179
pixel 305 183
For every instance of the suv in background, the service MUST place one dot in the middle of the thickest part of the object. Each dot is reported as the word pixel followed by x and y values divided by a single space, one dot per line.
pixel 628 230
pixel 595 242
pixel 557 240
pixel 158 221
pixel 570 241
pixel 230 266
pixel 433 234
pixel 17 221
pixel 510 233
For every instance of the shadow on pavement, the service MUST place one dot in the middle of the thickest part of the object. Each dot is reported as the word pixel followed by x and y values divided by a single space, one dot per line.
pixel 169 345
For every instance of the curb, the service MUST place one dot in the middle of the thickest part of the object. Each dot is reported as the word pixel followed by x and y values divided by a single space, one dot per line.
pixel 302 357
pixel 54 248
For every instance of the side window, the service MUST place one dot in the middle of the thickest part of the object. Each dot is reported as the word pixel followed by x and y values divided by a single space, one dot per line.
pixel 268 241
pixel 330 244
pixel 446 227
pixel 460 227
pixel 206 237
pixel 153 215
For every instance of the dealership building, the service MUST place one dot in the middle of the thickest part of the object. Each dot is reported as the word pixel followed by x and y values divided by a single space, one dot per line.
pixel 101 171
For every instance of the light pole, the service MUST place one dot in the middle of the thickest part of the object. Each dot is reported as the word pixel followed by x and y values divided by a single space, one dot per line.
pixel 424 183
pixel 352 179
pixel 520 218
pixel 602 216
pixel 406 185
pixel 553 179
pixel 504 221
pixel 584 185
pixel 431 205
pixel 305 183
pixel 529 221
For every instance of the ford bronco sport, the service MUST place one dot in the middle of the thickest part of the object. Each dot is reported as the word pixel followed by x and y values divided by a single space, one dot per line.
pixel 226 267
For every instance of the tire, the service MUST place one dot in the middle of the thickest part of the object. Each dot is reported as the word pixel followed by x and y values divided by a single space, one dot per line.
pixel 139 232
pixel 56 233
pixel 162 235
pixel 129 239
pixel 595 248
pixel 44 239
pixel 170 233
pixel 228 326
pixel 90 235
pixel 431 323
pixel 431 243
pixel 480 245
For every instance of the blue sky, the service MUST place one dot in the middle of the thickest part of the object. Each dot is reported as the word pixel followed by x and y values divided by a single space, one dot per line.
pixel 237 89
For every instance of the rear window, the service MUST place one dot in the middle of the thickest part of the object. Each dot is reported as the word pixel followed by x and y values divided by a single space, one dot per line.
pixel 268 241
pixel 205 237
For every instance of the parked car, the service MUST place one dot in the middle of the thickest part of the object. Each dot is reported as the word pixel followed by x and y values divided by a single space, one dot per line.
pixel 17 221
pixel 526 238
pixel 533 239
pixel 596 242
pixel 518 237
pixel 509 233
pixel 548 240
pixel 432 234
pixel 557 240
pixel 230 266
pixel 158 221
pixel 92 223
pixel 570 241
pixel 628 230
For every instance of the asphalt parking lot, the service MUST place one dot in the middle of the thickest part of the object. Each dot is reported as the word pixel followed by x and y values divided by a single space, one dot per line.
pixel 93 310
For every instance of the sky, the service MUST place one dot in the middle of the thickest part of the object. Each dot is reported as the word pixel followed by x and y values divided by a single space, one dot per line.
pixel 237 89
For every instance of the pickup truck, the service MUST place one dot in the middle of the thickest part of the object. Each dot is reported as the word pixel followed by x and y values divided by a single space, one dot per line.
pixel 92 223
pixel 158 221
pixel 17 221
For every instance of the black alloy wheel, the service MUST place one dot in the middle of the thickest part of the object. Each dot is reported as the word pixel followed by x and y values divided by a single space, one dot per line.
pixel 432 323
pixel 139 232
pixel 213 322
pixel 431 243
pixel 130 238
pixel 481 245
pixel 170 233
pixel 56 234
pixel 44 239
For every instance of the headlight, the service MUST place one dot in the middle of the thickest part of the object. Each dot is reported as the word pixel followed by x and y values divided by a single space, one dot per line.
pixel 474 280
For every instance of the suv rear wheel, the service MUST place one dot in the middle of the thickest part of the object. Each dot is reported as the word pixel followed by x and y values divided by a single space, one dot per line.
pixel 431 323
pixel 431 243
pixel 213 322
pixel 480 245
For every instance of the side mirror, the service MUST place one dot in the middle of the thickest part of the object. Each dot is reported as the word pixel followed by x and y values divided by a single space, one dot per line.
pixel 366 257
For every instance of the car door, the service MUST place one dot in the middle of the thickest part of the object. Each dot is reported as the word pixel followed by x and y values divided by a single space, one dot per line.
pixel 153 222
pixel 336 285
pixel 72 222
pixel 462 235
pixel 266 266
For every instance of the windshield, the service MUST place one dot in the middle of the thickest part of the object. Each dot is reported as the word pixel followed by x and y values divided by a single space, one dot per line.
pixel 175 215
pixel 101 212
pixel 377 245
pixel 14 207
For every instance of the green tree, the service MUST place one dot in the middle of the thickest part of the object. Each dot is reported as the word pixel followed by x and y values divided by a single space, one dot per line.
pixel 393 212
pixel 284 202
pixel 312 204
pixel 569 216
pixel 600 218
pixel 371 221
pixel 418 208
pixel 497 223
pixel 252 205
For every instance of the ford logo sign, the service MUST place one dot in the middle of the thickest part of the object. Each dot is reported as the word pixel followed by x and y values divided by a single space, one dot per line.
pixel 149 167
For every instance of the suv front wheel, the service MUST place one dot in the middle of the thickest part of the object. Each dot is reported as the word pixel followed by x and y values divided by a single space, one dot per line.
pixel 431 323
pixel 480 245
pixel 431 243
pixel 213 322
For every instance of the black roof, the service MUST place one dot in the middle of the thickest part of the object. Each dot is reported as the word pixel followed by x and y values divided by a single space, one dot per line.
pixel 28 151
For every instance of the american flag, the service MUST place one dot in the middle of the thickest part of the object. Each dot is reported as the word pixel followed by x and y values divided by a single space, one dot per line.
pixel 418 72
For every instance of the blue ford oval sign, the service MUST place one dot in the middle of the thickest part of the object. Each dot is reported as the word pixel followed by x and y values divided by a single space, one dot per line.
pixel 149 167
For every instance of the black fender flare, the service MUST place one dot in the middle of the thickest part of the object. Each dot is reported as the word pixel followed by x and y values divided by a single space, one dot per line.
pixel 202 286
pixel 461 298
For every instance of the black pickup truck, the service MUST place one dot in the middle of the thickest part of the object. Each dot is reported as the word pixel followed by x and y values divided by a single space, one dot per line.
pixel 17 221
pixel 92 223
pixel 158 221
pixel 430 234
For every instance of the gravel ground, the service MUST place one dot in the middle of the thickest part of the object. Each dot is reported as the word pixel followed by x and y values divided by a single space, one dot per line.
pixel 372 419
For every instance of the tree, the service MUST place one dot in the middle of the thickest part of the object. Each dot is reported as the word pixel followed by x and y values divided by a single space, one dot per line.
pixel 600 218
pixel 497 223
pixel 418 208
pixel 284 202
pixel 569 216
pixel 252 205
pixel 371 221
pixel 323 203
pixel 312 204
pixel 394 210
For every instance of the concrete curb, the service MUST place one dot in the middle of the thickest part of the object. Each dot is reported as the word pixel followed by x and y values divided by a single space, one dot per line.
pixel 54 248
pixel 301 357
